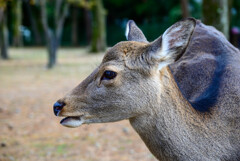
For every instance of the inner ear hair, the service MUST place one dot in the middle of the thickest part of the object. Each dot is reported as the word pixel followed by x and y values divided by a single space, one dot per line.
pixel 166 49
pixel 176 38
pixel 171 45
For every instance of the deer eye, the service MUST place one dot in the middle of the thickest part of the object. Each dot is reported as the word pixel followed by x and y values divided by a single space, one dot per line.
pixel 107 75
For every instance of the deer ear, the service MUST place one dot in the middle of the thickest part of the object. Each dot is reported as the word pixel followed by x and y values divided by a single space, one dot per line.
pixel 170 46
pixel 133 33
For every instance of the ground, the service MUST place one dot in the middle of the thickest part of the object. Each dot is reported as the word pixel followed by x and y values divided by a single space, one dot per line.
pixel 29 129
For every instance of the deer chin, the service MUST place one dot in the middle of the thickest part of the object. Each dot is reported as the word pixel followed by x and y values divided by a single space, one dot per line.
pixel 72 122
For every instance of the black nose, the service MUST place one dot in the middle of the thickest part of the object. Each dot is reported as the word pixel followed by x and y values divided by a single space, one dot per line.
pixel 57 107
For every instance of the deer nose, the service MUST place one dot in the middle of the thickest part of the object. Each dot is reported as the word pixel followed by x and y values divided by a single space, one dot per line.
pixel 57 107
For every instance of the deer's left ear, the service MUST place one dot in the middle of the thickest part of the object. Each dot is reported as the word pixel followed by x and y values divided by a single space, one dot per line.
pixel 133 33
pixel 171 45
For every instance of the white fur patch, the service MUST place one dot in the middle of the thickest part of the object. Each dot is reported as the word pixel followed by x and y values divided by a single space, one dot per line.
pixel 72 122
pixel 166 38
pixel 127 31
pixel 165 52
pixel 162 64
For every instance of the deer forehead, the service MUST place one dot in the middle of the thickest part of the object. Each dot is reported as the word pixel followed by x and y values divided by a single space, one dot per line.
pixel 124 50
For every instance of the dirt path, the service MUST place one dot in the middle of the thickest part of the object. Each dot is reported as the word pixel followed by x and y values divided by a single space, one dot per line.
pixel 30 131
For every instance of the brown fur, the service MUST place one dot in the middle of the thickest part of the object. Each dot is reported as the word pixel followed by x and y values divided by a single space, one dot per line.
pixel 151 99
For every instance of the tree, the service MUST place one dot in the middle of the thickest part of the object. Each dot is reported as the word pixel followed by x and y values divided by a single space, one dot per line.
pixel 216 13
pixel 88 24
pixel 87 9
pixel 3 30
pixel 98 25
pixel 17 21
pixel 98 42
pixel 53 36
pixel 74 26
pixel 29 7
pixel 184 6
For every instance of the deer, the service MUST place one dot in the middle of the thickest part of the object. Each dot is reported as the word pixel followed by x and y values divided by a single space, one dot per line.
pixel 180 92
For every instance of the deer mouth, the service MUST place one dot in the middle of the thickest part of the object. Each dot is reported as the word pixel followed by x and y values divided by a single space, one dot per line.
pixel 72 121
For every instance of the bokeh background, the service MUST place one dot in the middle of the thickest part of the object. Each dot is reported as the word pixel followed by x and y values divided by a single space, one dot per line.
pixel 50 46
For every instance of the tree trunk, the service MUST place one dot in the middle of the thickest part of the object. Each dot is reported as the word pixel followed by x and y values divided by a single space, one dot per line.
pixel 35 30
pixel 98 27
pixel 48 35
pixel 1 14
pixel 60 19
pixel 88 24
pixel 75 26
pixel 53 38
pixel 3 34
pixel 216 13
pixel 52 47
pixel 184 6
pixel 17 21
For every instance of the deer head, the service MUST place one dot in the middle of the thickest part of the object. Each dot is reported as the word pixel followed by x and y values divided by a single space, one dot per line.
pixel 126 84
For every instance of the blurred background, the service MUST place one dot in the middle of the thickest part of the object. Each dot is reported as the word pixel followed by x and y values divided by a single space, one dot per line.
pixel 50 46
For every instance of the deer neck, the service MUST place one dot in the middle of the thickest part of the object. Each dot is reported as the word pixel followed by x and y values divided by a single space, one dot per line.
pixel 164 122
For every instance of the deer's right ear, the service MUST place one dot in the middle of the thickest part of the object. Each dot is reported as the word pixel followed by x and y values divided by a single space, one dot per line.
pixel 133 33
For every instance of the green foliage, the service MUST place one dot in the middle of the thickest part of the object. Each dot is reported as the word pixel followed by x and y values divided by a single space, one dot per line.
pixel 152 16
pixel 3 3
pixel 82 3
pixel 175 14
pixel 195 8
pixel 235 21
